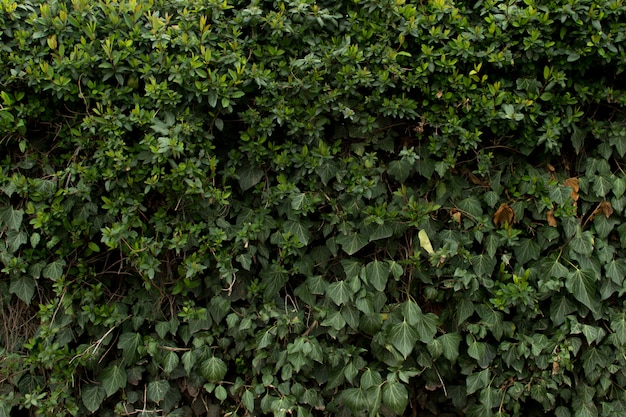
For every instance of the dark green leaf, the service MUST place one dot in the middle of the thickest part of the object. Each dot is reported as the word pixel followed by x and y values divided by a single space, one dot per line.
pixel 340 292
pixel 526 250
pixel 483 264
pixel 477 381
pixel 403 337
pixel 560 307
pixel 582 284
pixel 213 369
pixel 355 399
pixel 54 270
pixel 11 218
pixel 24 287
pixel 352 243
pixel 92 396
pixel 157 390
pixel 249 176
pixel 298 230
pixel 450 345
pixel 113 379
pixel 376 274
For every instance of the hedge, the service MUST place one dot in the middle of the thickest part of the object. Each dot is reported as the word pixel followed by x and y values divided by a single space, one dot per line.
pixel 313 208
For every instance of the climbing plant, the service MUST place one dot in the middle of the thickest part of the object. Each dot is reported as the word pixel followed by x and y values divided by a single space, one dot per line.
pixel 312 208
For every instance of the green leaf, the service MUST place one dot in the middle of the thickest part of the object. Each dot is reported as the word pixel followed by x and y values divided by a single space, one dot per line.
pixel 464 310
pixel 340 292
pixel 560 308
pixel 170 361
pixel 129 343
pixel 15 239
pixel 586 410
pixel 298 230
pixel 582 243
pixel 327 171
pixel 355 399
pixel 412 312
pixel 11 218
pixel 54 270
pixel 220 306
pixel 477 381
pixel 92 396
pixel 247 399
pixel 618 325
pixel 582 284
pixel 24 287
pixel 526 250
pixel 213 369
pixel 370 378
pixel 157 390
pixel 403 337
pixel 351 243
pixel 400 170
pixel 113 379
pixel 472 206
pixel 426 327
pixel 221 393
pixel 189 360
pixel 616 270
pixel 601 185
pixel 450 345
pixel 249 176
pixel 483 264
pixel 395 397
pixel 376 274
pixel 379 231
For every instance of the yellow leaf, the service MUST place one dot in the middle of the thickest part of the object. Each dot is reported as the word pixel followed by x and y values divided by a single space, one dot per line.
pixel 425 241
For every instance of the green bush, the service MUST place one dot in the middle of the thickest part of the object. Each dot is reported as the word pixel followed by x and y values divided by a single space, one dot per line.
pixel 366 207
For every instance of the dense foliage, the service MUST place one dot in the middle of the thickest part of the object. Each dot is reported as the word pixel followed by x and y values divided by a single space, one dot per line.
pixel 290 207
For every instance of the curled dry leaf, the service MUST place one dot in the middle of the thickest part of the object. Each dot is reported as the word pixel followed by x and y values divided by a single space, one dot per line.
pixel 456 215
pixel 551 219
pixel 504 215
pixel 573 184
pixel 605 208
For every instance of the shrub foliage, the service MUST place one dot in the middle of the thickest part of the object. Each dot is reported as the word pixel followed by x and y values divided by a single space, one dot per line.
pixel 291 207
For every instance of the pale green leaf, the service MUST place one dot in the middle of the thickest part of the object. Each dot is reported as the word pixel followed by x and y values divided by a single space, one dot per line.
pixel 425 241
pixel 113 379
pixel 157 390
pixel 351 243
pixel 395 397
pixel 403 337
pixel 221 393
pixel 376 274
pixel 92 396
pixel 213 369
pixel 24 287
pixel 582 284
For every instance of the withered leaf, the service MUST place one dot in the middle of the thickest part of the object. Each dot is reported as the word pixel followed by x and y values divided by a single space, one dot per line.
pixel 573 184
pixel 551 219
pixel 456 215
pixel 605 208
pixel 504 215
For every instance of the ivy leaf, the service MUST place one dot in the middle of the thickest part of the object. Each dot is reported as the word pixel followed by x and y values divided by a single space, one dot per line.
pixel 340 292
pixel 370 378
pixel 395 397
pixel 157 390
pixel 376 273
pixel 327 171
pixel 113 379
pixel 483 264
pixel 581 283
pixel 54 270
pixel 274 279
pixel 616 270
pixel 601 185
pixel 189 360
pixel 129 343
pixel 249 176
pixel 353 242
pixel 15 239
pixel 477 381
pixel 412 312
pixel 526 250
pixel 11 218
pixel 92 396
pixel 450 345
pixel 298 230
pixel 220 306
pixel 355 399
pixel 213 369
pixel 582 243
pixel 24 287
pixel 618 325
pixel 379 231
pixel 403 337
pixel 426 327
pixel 560 308
pixel 400 170
pixel 170 362
pixel 247 399
pixel 472 206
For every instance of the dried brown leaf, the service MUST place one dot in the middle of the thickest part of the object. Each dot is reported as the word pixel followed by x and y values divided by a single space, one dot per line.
pixel 504 215
pixel 551 219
